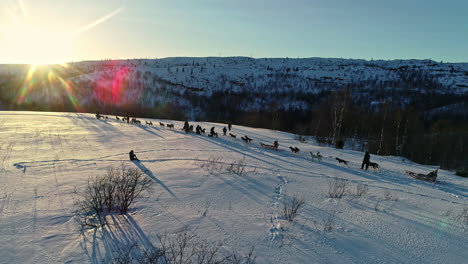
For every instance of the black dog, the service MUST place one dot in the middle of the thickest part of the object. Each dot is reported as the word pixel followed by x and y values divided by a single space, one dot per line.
pixel 170 125
pixel 232 135
pixel 294 149
pixel 342 161
pixel 161 124
pixel 246 139
pixel 374 165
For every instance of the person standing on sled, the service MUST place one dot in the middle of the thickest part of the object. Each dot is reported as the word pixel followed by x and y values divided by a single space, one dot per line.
pixel 365 161
pixel 133 156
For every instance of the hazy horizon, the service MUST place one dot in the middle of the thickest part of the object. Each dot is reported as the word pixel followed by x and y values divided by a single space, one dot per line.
pixel 53 31
pixel 234 56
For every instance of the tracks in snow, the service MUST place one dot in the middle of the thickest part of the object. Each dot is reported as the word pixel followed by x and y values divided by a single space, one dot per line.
pixel 276 230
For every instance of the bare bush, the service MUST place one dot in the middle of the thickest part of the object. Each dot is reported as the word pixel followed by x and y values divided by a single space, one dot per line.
pixel 376 206
pixel 237 167
pixel 388 196
pixel 362 189
pixel 329 221
pixel 125 254
pixel 130 184
pixel 217 165
pixel 337 188
pixel 463 215
pixel 213 164
pixel 184 247
pixel 113 192
pixel 5 152
pixel 291 208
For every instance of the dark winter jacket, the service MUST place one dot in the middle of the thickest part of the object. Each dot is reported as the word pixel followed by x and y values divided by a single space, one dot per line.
pixel 366 158
pixel 132 155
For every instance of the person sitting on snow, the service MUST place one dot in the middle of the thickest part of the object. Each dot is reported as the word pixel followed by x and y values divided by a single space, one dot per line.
pixel 133 156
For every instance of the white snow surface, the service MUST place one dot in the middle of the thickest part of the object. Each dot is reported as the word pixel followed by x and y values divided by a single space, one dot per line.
pixel 45 156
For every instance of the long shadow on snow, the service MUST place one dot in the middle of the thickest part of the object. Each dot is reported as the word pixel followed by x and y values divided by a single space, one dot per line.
pixel 46 163
pixel 151 175
pixel 230 146
pixel 248 186
pixel 91 120
pixel 394 181
pixel 149 129
pixel 361 231
pixel 379 175
pixel 451 188
pixel 118 236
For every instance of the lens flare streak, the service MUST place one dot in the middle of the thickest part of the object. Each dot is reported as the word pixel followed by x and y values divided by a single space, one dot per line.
pixel 28 84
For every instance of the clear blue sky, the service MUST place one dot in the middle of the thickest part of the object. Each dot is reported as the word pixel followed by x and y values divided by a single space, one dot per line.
pixel 365 29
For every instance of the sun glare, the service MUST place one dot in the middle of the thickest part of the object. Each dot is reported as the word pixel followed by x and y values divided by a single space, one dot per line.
pixel 33 44
pixel 26 39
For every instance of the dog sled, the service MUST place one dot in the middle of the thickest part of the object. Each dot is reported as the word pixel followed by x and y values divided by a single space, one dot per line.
pixel 273 147
pixel 430 177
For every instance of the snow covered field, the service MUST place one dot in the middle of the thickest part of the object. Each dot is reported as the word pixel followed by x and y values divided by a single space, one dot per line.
pixel 45 156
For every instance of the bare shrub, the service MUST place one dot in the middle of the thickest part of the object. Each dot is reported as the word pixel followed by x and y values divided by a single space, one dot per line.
pixel 217 165
pixel 329 221
pixel 125 254
pixel 213 164
pixel 90 208
pixel 291 208
pixel 5 152
pixel 376 206
pixel 184 247
pixel 463 215
pixel 237 167
pixel 113 192
pixel 337 188
pixel 362 189
pixel 130 184
pixel 389 196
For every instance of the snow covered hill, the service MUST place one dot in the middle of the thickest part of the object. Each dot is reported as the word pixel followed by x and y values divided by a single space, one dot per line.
pixel 44 156
pixel 184 81
pixel 233 73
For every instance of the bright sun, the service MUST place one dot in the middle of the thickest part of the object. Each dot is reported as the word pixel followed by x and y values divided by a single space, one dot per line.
pixel 33 44
pixel 28 39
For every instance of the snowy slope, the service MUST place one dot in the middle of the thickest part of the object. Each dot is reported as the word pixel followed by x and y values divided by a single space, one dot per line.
pixel 150 82
pixel 44 156
pixel 219 73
